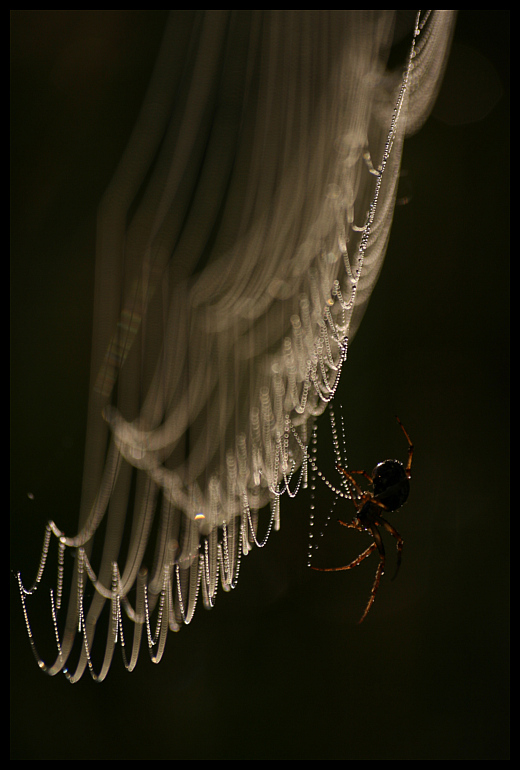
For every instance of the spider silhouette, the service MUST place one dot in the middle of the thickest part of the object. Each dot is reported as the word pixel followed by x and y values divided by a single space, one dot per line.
pixel 390 481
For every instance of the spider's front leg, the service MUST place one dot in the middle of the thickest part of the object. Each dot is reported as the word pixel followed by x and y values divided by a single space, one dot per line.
pixel 410 449
pixel 353 482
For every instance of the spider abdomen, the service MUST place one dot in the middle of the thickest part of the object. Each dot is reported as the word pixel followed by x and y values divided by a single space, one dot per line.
pixel 391 484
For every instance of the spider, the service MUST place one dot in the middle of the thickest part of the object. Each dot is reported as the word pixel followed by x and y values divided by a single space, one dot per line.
pixel 391 485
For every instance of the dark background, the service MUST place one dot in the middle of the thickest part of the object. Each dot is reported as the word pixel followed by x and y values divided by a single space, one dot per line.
pixel 279 669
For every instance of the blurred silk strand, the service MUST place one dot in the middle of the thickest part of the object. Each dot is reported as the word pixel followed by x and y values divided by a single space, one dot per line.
pixel 238 244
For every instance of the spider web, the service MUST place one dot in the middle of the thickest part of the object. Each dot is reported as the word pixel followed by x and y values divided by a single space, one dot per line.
pixel 238 245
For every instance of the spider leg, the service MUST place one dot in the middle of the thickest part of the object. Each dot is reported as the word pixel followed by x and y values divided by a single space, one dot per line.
pixel 352 564
pixel 348 475
pixel 362 473
pixel 377 502
pixel 357 489
pixel 410 449
pixel 400 542
pixel 378 543
pixel 350 525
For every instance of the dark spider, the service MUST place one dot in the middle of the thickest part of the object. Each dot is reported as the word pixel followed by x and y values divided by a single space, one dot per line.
pixel 391 486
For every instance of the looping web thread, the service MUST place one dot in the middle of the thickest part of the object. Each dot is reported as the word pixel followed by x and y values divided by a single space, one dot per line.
pixel 209 515
pixel 344 493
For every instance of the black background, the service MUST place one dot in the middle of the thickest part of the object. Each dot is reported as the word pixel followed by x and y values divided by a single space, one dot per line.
pixel 279 669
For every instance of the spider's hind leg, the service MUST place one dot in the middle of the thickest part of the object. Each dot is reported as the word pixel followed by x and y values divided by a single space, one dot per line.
pixel 352 564
pixel 379 574
pixel 400 542
pixel 378 543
